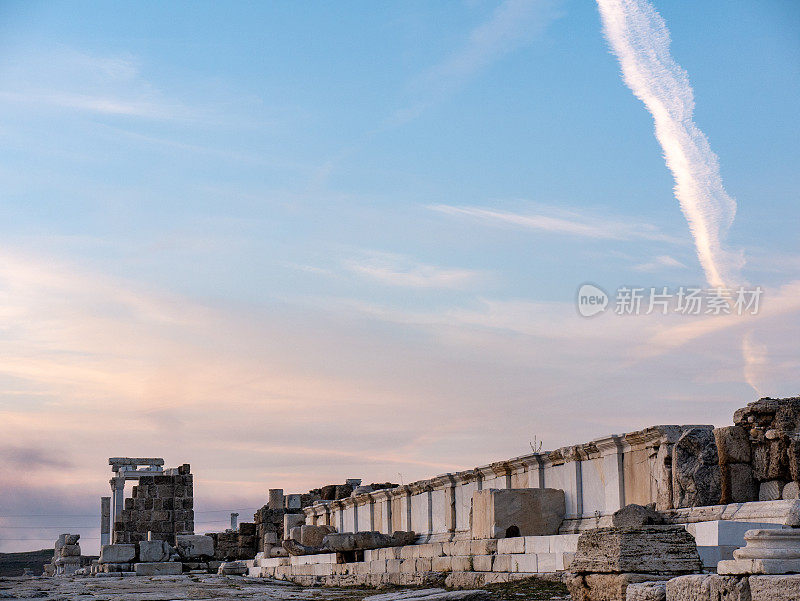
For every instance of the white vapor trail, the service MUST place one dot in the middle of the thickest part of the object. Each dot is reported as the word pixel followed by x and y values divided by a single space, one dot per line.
pixel 640 40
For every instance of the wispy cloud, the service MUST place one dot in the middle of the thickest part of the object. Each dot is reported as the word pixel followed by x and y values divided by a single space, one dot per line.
pixel 660 262
pixel 64 78
pixel 755 358
pixel 398 270
pixel 513 24
pixel 558 221
pixel 640 40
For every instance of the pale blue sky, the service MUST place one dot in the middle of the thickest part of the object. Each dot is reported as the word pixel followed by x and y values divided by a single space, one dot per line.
pixel 360 226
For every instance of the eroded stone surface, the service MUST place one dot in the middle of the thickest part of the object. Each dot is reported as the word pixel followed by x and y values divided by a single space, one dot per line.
pixel 223 588
pixel 646 591
pixel 648 549
pixel 636 515
pixel 695 469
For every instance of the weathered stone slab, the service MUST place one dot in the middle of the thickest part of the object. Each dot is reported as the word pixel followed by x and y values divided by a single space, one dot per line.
pixel 634 515
pixel 770 490
pixel 516 512
pixel 232 568
pixel 290 520
pixel 648 549
pixel 117 553
pixel 604 587
pixel 435 594
pixel 695 469
pixel 733 444
pixel 708 587
pixel 791 491
pixel 311 536
pixel 155 550
pixel 766 552
pixel 774 588
pixel 759 566
pixel 158 569
pixel 194 546
pixel 646 591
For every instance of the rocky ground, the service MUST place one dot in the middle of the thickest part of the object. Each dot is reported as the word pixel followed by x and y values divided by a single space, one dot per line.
pixel 190 587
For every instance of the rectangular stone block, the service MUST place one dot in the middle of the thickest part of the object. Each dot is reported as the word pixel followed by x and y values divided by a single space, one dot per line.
pixel 377 566
pixel 393 565
pixel 461 564
pixel 774 588
pixel 429 550
pixel 408 565
pixel 194 546
pixel 158 569
pixel 408 552
pixel 526 562
pixel 724 532
pixel 442 564
pixel 498 513
pixel 645 549
pixel 711 556
pixel 733 444
pixel 537 544
pixel 119 553
pixel 547 562
pixel 511 545
pixel 564 543
pixel 483 547
pixel 759 566
pixel 322 569
pixel 502 563
pixel 482 563
pixel 461 547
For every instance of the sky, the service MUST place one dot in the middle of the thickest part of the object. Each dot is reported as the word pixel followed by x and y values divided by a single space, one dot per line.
pixel 293 243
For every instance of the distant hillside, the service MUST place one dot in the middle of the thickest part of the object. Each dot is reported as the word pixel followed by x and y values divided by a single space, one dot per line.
pixel 13 564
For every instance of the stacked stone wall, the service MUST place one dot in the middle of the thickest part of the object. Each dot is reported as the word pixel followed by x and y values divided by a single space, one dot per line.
pixel 162 505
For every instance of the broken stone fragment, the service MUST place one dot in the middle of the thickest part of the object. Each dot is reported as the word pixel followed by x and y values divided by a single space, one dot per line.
pixel 119 553
pixel 311 536
pixel 733 444
pixel 292 547
pixel 194 546
pixel 155 550
pixel 646 591
pixel 232 568
pixel 359 541
pixel 647 549
pixel 695 469
pixel 633 515
pixel 163 568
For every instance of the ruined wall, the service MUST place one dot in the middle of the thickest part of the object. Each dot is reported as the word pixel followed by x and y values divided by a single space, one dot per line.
pixel 163 505
pixel 768 432
pixel 233 545
pixel 671 466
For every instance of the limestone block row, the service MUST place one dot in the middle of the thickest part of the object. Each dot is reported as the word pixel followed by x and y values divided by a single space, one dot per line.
pixel 713 587
pixel 558 543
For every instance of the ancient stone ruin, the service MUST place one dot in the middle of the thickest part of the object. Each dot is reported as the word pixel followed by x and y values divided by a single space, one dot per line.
pixel 667 513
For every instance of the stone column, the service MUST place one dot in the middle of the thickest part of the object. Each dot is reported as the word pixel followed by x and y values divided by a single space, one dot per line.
pixel 276 500
pixel 117 500
pixel 610 448
pixel 105 521
pixel 384 498
pixel 234 521
pixel 450 504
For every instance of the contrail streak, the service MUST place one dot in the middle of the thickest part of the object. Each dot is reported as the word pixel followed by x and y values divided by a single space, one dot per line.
pixel 640 40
